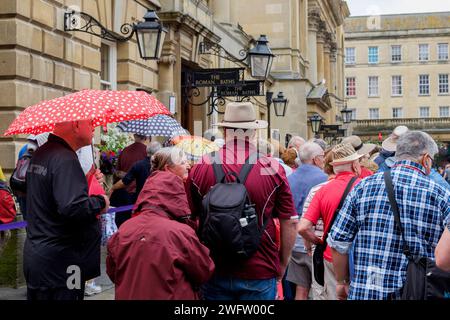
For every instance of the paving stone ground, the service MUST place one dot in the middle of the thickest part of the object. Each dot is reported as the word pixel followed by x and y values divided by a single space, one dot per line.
pixel 104 281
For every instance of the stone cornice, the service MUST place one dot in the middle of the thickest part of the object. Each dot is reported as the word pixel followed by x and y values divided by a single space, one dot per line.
pixel 444 32
pixel 180 20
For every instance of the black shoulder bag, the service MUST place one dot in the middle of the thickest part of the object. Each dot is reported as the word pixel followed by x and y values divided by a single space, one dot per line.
pixel 424 280
pixel 319 267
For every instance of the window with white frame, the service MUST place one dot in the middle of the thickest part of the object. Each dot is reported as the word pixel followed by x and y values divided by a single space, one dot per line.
pixel 397 113
pixel 424 84
pixel 396 53
pixel 444 111
pixel 108 72
pixel 442 51
pixel 373 86
pixel 424 112
pixel 373 55
pixel 374 113
pixel 353 116
pixel 443 83
pixel 350 57
pixel 350 86
pixel 423 52
pixel 397 89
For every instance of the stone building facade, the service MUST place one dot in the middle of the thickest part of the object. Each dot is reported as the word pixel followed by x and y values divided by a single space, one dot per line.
pixel 397 72
pixel 307 38
pixel 39 60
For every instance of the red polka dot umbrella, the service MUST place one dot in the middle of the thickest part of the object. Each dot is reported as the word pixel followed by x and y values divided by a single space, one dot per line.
pixel 101 106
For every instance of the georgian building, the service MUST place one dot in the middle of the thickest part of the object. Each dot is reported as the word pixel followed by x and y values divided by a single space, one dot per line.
pixel 397 73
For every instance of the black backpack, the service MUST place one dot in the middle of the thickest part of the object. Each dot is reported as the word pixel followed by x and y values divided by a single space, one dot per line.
pixel 229 224
pixel 18 181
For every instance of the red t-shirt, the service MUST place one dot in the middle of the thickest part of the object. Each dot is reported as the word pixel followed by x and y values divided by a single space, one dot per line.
pixel 130 155
pixel 365 173
pixel 269 190
pixel 326 201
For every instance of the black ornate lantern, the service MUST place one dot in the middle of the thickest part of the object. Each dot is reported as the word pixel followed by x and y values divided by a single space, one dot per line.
pixel 150 34
pixel 280 104
pixel 261 58
pixel 315 121
pixel 346 115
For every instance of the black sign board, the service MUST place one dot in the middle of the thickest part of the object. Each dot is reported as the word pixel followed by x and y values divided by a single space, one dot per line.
pixel 216 77
pixel 244 89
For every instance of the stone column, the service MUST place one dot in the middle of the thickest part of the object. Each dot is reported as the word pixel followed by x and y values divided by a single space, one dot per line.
pixel 304 28
pixel 320 54
pixel 326 61
pixel 333 68
pixel 333 81
pixel 313 24
pixel 166 80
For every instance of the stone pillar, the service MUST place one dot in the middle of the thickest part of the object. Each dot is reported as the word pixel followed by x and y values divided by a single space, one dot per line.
pixel 333 83
pixel 333 68
pixel 326 62
pixel 221 10
pixel 313 24
pixel 303 20
pixel 166 79
pixel 320 55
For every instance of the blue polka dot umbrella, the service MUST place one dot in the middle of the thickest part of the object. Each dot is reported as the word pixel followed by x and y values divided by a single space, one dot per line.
pixel 157 126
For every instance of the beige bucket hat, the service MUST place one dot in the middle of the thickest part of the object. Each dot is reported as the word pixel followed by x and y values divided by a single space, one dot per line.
pixel 358 145
pixel 390 144
pixel 241 115
pixel 344 153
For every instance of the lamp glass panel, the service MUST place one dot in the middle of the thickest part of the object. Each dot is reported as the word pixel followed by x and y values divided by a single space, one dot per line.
pixel 280 107
pixel 148 41
pixel 162 37
pixel 259 65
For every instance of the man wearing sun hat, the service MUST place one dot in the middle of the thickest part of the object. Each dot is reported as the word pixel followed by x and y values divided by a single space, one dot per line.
pixel 387 154
pixel 361 148
pixel 268 189
pixel 325 204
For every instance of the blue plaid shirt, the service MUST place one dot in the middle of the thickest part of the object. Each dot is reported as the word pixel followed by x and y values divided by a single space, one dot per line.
pixel 367 221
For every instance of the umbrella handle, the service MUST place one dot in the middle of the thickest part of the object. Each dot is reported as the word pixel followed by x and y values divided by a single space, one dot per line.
pixel 93 157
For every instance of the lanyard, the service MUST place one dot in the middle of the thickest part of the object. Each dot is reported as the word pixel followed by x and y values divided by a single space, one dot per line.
pixel 409 167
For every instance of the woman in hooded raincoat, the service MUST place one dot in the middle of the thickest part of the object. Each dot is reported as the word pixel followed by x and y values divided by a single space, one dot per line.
pixel 156 255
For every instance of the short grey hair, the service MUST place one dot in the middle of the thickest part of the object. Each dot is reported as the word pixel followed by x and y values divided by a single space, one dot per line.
pixel 320 142
pixel 309 150
pixel 296 142
pixel 413 144
pixel 153 147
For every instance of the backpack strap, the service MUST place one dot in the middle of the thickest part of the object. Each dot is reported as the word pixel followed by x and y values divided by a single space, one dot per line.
pixel 341 203
pixel 247 167
pixel 394 206
pixel 243 174
pixel 217 166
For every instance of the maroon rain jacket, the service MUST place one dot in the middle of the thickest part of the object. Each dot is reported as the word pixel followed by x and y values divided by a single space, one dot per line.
pixel 154 256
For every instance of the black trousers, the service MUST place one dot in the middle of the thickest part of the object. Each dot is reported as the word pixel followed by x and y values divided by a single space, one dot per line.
pixel 56 294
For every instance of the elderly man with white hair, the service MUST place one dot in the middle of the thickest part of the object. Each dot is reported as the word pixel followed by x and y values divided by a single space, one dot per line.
pixel 366 222
pixel 308 175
